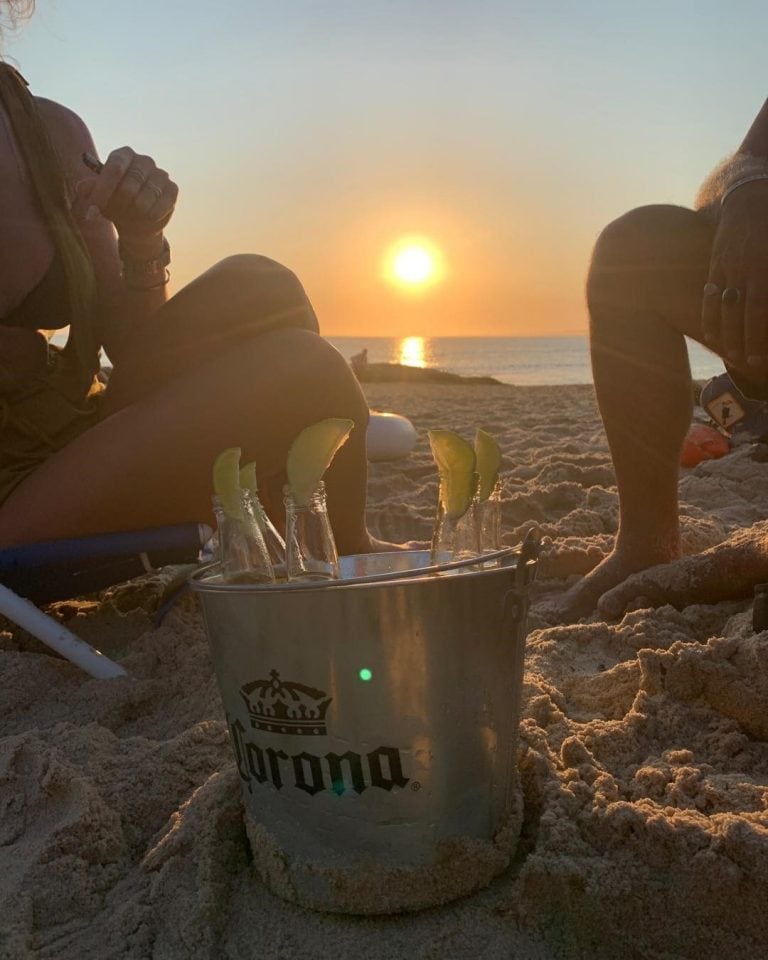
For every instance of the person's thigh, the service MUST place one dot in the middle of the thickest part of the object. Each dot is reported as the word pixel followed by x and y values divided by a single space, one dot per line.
pixel 149 464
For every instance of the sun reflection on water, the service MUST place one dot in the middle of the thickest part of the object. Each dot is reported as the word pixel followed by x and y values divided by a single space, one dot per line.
pixel 412 352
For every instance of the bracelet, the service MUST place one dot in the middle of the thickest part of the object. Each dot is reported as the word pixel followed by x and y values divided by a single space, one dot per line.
pixel 740 183
pixel 165 277
pixel 734 171
pixel 146 274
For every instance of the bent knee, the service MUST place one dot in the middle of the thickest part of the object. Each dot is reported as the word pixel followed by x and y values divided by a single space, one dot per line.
pixel 242 267
pixel 261 290
pixel 651 248
pixel 650 234
pixel 314 368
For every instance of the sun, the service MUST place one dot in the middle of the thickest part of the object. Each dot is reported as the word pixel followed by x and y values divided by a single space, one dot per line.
pixel 413 263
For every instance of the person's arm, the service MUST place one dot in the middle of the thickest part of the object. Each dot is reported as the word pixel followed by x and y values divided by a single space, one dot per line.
pixel 747 166
pixel 756 140
pixel 735 298
pixel 108 206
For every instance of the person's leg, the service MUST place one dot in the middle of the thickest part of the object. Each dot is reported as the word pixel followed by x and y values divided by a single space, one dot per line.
pixel 237 299
pixel 728 571
pixel 644 294
pixel 149 463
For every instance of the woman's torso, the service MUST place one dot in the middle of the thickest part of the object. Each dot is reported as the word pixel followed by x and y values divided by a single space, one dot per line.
pixel 30 279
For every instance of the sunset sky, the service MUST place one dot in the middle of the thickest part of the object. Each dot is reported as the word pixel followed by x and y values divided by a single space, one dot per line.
pixel 321 132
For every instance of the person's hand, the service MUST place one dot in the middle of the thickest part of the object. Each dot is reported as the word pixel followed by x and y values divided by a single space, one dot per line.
pixel 131 191
pixel 23 358
pixel 735 299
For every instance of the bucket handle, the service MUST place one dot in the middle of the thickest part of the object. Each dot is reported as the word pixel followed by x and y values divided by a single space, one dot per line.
pixel 503 558
pixel 529 554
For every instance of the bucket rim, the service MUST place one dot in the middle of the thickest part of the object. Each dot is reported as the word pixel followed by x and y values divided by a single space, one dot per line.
pixel 502 559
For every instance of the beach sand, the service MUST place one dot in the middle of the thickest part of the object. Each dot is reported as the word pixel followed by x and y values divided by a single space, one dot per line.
pixel 642 750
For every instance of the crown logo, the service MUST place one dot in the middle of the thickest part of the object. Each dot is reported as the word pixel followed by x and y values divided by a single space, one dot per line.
pixel 285 707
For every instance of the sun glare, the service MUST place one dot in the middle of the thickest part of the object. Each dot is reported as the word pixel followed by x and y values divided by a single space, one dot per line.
pixel 413 263
pixel 412 352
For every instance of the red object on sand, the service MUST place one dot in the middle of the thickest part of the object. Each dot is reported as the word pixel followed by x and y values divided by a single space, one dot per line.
pixel 703 443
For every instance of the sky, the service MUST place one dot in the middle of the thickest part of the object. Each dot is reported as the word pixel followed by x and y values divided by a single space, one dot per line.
pixel 322 132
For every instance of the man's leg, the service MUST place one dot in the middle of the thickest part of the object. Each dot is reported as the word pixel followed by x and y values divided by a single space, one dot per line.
pixel 644 295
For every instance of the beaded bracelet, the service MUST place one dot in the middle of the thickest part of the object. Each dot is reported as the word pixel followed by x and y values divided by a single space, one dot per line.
pixel 146 274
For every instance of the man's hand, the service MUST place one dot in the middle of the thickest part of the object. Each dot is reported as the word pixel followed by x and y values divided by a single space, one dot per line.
pixel 735 303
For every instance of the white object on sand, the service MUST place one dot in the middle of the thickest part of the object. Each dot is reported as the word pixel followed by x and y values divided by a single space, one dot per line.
pixel 389 436
pixel 63 641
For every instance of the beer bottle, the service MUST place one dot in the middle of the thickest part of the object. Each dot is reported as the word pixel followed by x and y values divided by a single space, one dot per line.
pixel 274 542
pixel 310 550
pixel 489 520
pixel 243 555
pixel 455 538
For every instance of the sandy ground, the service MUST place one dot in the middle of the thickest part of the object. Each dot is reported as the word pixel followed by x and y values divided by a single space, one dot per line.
pixel 642 752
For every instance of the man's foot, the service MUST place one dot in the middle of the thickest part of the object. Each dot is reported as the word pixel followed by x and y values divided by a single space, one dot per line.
pixel 728 571
pixel 584 597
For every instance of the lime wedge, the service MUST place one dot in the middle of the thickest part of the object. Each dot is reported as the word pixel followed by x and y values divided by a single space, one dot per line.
pixel 226 481
pixel 455 461
pixel 311 454
pixel 488 453
pixel 247 478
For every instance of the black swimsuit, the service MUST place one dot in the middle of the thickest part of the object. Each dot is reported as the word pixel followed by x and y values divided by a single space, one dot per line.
pixel 41 308
pixel 42 418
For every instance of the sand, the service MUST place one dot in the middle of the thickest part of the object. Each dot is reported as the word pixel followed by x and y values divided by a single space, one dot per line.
pixel 642 753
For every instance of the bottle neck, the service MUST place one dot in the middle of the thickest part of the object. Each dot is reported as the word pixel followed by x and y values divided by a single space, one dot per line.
pixel 243 554
pixel 224 513
pixel 317 502
pixel 495 494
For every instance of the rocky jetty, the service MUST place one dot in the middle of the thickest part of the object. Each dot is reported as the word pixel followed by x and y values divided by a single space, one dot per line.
pixel 401 373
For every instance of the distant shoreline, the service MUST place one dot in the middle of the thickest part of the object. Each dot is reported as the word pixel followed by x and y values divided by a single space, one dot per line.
pixel 522 361
pixel 402 373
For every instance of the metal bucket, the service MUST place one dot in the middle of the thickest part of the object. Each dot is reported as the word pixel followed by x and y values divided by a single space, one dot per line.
pixel 374 725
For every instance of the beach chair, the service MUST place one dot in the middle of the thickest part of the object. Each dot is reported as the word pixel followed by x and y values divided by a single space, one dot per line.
pixel 743 419
pixel 60 569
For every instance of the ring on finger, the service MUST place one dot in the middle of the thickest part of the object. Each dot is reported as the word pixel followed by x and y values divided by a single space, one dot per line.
pixel 135 173
pixel 164 216
pixel 731 296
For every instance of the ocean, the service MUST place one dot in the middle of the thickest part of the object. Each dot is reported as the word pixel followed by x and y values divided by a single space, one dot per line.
pixel 525 361
pixel 521 360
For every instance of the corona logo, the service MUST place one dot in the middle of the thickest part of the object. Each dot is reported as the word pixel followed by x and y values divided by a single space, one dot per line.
pixel 337 772
pixel 294 709
pixel 291 708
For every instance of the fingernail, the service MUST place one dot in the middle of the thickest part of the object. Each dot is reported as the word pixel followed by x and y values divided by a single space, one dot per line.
pixel 754 361
pixel 92 212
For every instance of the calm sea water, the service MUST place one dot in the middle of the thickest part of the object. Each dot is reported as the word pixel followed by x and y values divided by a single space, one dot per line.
pixel 519 360
pixel 526 361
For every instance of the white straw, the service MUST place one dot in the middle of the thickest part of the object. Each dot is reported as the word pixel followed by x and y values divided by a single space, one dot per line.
pixel 63 641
